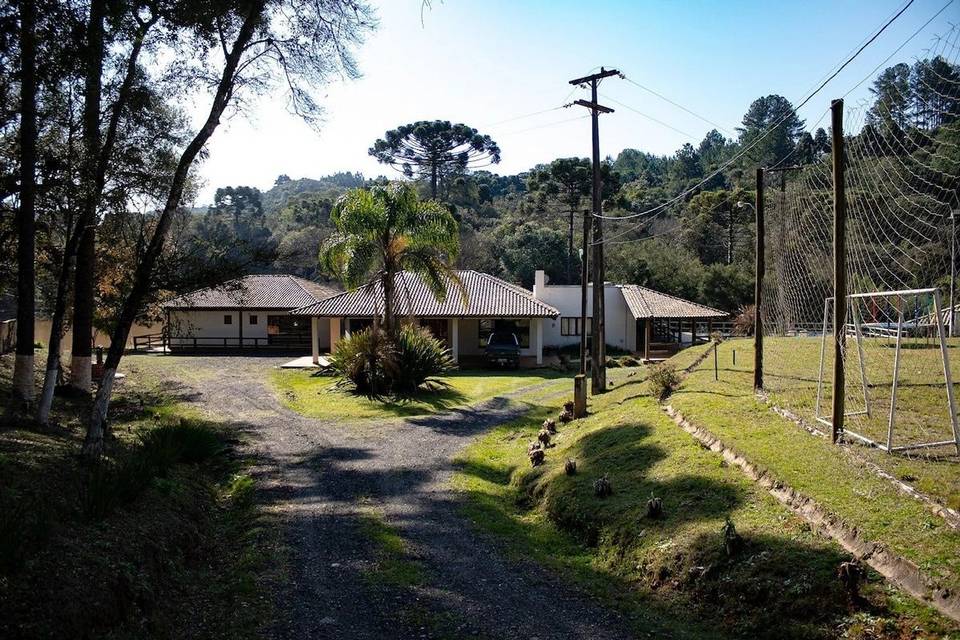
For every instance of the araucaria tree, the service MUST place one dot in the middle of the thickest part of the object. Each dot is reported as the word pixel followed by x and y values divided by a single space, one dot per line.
pixel 435 150
pixel 388 229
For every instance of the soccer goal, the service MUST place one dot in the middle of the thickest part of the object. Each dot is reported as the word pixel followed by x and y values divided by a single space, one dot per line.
pixel 899 386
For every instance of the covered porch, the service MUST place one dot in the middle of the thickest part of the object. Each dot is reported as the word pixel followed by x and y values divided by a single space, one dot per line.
pixel 465 337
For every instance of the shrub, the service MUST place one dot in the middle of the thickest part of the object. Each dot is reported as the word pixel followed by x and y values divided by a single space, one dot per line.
pixel 109 484
pixel 732 542
pixel 550 425
pixel 544 437
pixel 654 508
pixel 570 467
pixel 419 357
pixel 602 487
pixel 663 380
pixel 743 322
pixel 375 364
pixel 565 416
pixel 536 454
pixel 361 360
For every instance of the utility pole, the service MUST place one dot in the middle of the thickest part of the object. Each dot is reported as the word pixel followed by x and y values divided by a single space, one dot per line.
pixel 839 268
pixel 758 288
pixel 598 345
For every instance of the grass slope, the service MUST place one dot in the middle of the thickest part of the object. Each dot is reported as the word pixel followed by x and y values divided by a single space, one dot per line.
pixel 672 574
pixel 813 466
pixel 162 540
pixel 318 397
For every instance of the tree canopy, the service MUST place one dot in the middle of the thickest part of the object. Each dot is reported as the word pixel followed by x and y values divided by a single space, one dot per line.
pixel 435 150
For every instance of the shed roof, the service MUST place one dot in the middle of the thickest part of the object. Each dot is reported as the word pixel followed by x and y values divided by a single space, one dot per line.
pixel 486 297
pixel 279 291
pixel 647 303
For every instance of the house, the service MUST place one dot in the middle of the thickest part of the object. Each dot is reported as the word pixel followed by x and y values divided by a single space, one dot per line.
pixel 463 322
pixel 252 312
pixel 636 319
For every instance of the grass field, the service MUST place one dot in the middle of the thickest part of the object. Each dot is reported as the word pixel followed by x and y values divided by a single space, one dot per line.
pixel 728 408
pixel 792 367
pixel 319 397
pixel 670 569
pixel 791 373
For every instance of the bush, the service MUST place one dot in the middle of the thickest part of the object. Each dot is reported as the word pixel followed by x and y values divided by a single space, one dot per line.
pixel 743 323
pixel 663 380
pixel 110 484
pixel 361 359
pixel 375 364
pixel 419 357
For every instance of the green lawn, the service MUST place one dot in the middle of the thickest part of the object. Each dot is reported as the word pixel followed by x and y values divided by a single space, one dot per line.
pixel 670 574
pixel 318 396
pixel 729 409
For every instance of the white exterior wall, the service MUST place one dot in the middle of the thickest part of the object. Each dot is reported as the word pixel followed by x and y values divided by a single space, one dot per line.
pixel 209 324
pixel 619 323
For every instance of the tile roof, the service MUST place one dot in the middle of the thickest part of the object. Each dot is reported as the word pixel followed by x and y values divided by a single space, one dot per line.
pixel 647 303
pixel 487 297
pixel 256 292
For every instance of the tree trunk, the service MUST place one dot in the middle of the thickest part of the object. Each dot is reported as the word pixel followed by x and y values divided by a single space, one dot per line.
pixel 433 181
pixel 23 383
pixel 93 443
pixel 387 283
pixel 102 160
pixel 83 293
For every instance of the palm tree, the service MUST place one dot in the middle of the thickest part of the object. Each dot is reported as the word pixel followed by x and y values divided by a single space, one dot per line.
pixel 387 229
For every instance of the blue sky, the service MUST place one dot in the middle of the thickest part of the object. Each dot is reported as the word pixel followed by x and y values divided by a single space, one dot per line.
pixel 482 62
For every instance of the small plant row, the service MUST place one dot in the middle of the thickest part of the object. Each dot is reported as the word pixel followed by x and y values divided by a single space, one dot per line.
pixel 537 449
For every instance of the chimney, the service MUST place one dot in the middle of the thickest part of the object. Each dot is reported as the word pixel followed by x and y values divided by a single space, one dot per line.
pixel 539 282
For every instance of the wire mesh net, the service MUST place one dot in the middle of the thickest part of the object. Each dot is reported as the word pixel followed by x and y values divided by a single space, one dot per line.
pixel 902 175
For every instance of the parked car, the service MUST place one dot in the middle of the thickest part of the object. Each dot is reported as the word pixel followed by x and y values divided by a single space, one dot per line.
pixel 503 350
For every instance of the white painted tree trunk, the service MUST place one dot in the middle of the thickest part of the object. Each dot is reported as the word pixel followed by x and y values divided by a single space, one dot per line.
pixel 93 444
pixel 23 385
pixel 46 396
pixel 81 373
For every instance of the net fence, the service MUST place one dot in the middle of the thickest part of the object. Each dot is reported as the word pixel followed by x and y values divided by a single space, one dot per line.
pixel 902 179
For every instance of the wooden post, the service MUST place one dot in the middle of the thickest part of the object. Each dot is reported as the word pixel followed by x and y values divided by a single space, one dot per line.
pixel 758 289
pixel 579 395
pixel 583 292
pixel 839 268
pixel 240 327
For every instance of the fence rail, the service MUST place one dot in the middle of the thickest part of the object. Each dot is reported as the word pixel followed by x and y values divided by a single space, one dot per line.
pixel 164 342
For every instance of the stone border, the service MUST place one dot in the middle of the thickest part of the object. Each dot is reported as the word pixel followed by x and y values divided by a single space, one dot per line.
pixel 898 570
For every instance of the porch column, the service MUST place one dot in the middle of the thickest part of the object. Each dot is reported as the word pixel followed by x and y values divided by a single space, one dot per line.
pixel 693 332
pixel 538 338
pixel 334 333
pixel 648 336
pixel 315 339
pixel 455 338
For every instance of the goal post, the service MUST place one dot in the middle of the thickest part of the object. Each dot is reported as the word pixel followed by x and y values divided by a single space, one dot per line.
pixel 918 334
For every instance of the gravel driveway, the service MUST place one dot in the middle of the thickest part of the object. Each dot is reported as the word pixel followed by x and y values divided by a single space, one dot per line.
pixel 321 477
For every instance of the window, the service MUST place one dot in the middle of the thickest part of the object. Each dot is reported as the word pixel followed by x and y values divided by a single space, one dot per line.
pixel 571 326
pixel 519 327
pixel 228 319
pixel 253 319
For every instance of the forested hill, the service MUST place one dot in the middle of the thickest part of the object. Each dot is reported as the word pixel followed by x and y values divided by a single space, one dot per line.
pixel 692 230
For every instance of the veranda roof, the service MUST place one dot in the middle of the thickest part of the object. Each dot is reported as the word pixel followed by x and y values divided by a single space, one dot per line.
pixel 256 292
pixel 486 297
pixel 647 303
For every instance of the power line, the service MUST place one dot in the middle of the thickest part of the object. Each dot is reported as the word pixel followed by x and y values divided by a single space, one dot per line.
pixel 544 126
pixel 648 117
pixel 769 129
pixel 526 115
pixel 676 104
